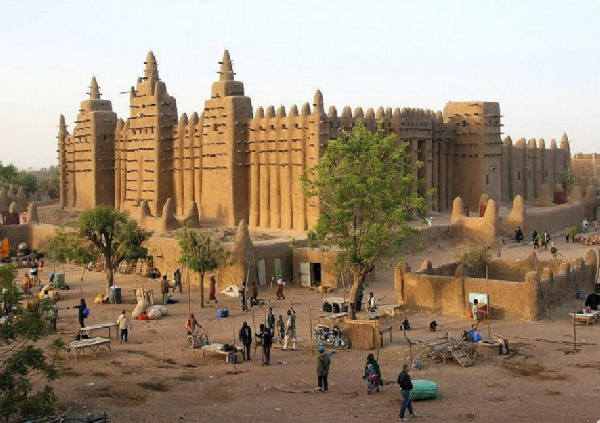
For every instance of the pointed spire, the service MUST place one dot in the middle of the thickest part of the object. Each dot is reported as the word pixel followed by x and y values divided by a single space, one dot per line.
pixel 293 111
pixel 226 68
pixel 564 141
pixel 151 66
pixel 94 90
pixel 62 127
pixel 318 99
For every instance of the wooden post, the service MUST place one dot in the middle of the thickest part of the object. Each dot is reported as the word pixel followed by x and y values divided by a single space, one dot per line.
pixel 487 316
pixel 310 330
pixel 233 327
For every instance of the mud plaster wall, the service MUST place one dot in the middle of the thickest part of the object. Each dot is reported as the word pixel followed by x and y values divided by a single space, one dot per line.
pixel 554 219
pixel 511 300
pixel 330 276
pixel 586 168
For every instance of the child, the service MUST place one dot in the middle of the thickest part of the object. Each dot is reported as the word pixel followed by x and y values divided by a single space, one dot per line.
pixel 553 250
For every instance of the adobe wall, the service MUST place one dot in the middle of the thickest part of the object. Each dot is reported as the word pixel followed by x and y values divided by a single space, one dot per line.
pixel 586 168
pixel 484 229
pixel 7 197
pixel 555 218
pixel 330 275
pixel 520 300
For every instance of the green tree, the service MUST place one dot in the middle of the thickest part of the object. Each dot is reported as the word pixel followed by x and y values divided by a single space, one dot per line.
pixel 201 253
pixel 27 181
pixel 68 247
pixel 367 191
pixel 566 178
pixel 25 370
pixel 50 187
pixel 8 174
pixel 476 259
pixel 113 235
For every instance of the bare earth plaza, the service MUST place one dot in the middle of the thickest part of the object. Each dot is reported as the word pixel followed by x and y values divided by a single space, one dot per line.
pixel 263 263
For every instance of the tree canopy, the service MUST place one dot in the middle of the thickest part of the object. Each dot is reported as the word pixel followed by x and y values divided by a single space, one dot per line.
pixel 201 253
pixel 69 247
pixel 12 177
pixel 25 370
pixel 367 190
pixel 113 235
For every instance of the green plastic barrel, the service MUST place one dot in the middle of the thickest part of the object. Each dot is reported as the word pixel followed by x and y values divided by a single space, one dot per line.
pixel 423 389
pixel 59 280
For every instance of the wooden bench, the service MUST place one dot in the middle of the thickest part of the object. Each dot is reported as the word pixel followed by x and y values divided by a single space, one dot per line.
pixel 89 329
pixel 78 347
pixel 217 349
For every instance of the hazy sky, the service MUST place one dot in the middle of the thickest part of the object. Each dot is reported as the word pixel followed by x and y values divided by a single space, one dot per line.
pixel 539 59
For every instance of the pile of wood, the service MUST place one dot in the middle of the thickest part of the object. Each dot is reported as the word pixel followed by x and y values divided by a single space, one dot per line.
pixel 590 239
pixel 462 352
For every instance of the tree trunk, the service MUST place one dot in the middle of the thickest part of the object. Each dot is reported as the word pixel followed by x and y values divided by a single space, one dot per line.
pixel 202 289
pixel 359 278
pixel 81 280
pixel 110 275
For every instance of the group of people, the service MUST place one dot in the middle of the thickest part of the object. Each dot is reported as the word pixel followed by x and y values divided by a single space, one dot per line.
pixel 540 239
pixel 372 377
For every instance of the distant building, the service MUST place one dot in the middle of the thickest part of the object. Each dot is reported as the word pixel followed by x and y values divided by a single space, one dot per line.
pixel 236 163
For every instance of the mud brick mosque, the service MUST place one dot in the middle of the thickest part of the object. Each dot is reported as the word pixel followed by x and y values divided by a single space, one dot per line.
pixel 234 162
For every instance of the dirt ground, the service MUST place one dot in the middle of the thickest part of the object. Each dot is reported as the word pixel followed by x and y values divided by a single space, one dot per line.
pixel 156 377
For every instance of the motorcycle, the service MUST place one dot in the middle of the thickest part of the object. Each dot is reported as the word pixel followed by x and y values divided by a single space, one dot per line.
pixel 331 336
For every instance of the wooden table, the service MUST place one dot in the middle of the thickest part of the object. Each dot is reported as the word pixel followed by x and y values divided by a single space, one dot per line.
pixel 585 318
pixel 89 329
pixel 333 317
pixel 78 347
pixel 216 349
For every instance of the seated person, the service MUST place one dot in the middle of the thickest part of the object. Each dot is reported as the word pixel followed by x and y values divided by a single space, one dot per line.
pixel 592 301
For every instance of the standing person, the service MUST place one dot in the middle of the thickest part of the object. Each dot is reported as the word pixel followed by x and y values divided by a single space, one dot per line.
pixel 540 241
pixel 290 330
pixel 164 289
pixel 359 297
pixel 83 313
pixel 280 284
pixel 372 375
pixel 27 285
pixel 124 325
pixel 33 270
pixel 323 363
pixel 243 298
pixel 245 336
pixel 266 341
pixel 54 315
pixel 405 388
pixel 270 320
pixel 177 280
pixel 547 239
pixel 519 235
pixel 371 303
pixel 585 224
pixel 553 250
pixel 534 238
pixel 475 309
pixel 212 293
pixel 254 295
pixel 280 329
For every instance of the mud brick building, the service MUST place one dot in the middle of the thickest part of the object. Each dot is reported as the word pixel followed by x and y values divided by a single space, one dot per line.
pixel 235 162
